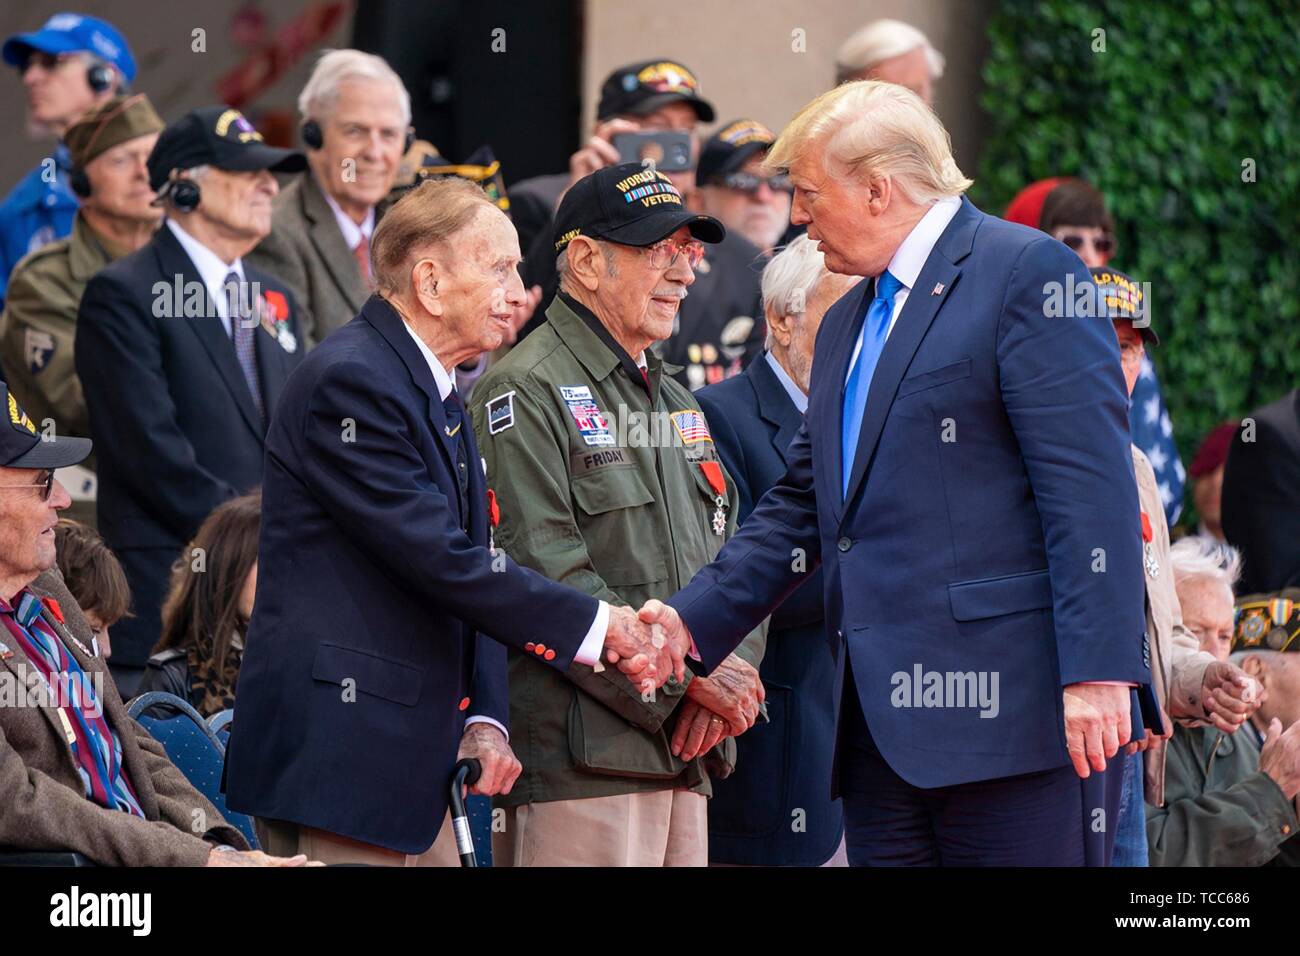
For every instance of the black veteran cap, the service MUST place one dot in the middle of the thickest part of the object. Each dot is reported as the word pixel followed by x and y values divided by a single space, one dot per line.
pixel 21 446
pixel 217 136
pixel 629 204
pixel 731 147
pixel 1122 297
pixel 641 88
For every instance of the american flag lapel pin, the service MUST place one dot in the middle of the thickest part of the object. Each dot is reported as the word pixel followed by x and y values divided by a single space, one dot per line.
pixel 938 289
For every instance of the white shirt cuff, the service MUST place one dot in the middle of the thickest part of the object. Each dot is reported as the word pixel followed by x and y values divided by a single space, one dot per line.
pixel 488 720
pixel 591 646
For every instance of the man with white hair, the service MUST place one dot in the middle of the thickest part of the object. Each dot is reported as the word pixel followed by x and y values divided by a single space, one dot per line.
pixel 783 765
pixel 1230 800
pixel 893 52
pixel 962 476
pixel 356 117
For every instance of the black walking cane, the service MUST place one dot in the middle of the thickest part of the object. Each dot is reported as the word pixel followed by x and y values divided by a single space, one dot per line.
pixel 465 774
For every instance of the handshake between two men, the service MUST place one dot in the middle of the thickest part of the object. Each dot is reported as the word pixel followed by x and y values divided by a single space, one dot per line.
pixel 651 645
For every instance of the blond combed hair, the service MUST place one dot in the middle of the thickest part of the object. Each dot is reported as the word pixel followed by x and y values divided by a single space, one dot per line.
pixel 868 128
pixel 430 213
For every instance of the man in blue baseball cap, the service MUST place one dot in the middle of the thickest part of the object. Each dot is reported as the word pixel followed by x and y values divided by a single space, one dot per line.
pixel 68 66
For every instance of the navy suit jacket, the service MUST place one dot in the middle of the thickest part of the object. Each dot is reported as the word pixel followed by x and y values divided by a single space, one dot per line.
pixel 990 530
pixel 374 601
pixel 783 765
pixel 175 428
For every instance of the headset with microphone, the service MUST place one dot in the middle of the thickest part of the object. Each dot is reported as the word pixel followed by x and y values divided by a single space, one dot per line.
pixel 314 138
pixel 184 194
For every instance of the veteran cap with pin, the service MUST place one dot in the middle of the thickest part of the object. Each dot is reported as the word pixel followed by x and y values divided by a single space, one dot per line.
pixel 22 446
pixel 630 204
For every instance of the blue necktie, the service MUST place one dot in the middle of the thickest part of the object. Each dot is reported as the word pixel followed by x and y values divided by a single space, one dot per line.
pixel 874 329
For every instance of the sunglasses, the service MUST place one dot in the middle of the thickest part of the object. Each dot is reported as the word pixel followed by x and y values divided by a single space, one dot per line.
pixel 1104 245
pixel 45 483
pixel 749 183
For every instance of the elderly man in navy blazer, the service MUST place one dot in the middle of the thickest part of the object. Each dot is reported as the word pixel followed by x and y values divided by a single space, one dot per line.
pixel 775 809
pixel 964 480
pixel 370 664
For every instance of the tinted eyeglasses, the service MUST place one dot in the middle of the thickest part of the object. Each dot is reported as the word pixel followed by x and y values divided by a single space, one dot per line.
pixel 663 254
pixel 749 183
pixel 1105 245
pixel 44 482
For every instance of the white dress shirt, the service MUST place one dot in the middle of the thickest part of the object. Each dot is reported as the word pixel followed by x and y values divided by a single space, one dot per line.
pixel 352 233
pixel 910 258
pixel 794 391
pixel 212 271
pixel 594 642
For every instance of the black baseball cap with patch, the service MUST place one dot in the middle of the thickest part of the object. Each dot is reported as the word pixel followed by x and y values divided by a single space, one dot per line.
pixel 641 88
pixel 217 136
pixel 629 204
pixel 22 446
pixel 1122 297
pixel 731 147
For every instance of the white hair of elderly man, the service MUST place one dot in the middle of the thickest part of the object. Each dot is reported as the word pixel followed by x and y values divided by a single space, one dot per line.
pixel 882 40
pixel 334 68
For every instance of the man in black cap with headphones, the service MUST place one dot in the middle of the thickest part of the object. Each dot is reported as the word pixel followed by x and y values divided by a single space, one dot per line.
pixel 182 351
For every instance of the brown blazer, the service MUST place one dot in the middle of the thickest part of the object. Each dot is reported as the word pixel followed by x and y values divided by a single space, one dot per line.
pixel 1177 661
pixel 306 251
pixel 42 803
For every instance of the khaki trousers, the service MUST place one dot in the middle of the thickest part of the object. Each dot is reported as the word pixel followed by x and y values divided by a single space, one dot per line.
pixel 279 838
pixel 663 828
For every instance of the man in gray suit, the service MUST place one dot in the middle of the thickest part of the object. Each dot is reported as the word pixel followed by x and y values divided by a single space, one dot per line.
pixel 356 124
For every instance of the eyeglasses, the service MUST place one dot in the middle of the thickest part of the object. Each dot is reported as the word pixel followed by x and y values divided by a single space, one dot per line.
pixel 1105 245
pixel 663 254
pixel 45 484
pixel 749 183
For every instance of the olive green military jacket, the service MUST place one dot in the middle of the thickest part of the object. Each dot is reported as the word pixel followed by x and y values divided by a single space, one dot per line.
pixel 597 492
pixel 1220 808
pixel 40 326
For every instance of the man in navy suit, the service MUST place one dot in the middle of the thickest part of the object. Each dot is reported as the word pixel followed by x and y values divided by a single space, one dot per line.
pixel 964 480
pixel 370 664
pixel 182 351
pixel 775 809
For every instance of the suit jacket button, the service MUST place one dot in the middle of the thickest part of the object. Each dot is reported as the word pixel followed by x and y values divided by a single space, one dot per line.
pixel 464 703
pixel 549 655
pixel 845 544
pixel 529 646
pixel 539 649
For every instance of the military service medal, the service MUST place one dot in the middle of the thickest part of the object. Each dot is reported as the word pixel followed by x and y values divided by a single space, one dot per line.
pixel 1149 549
pixel 713 474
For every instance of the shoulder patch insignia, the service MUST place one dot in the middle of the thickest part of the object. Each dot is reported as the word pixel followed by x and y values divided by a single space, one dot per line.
pixel 38 349
pixel 591 422
pixel 501 413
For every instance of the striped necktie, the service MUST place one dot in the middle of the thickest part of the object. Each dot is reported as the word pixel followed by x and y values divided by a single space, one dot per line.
pixel 243 333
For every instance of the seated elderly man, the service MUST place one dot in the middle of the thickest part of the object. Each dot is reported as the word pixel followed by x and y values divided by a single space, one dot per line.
pixel 781 767
pixel 356 116
pixel 608 479
pixel 1231 800
pixel 76 773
